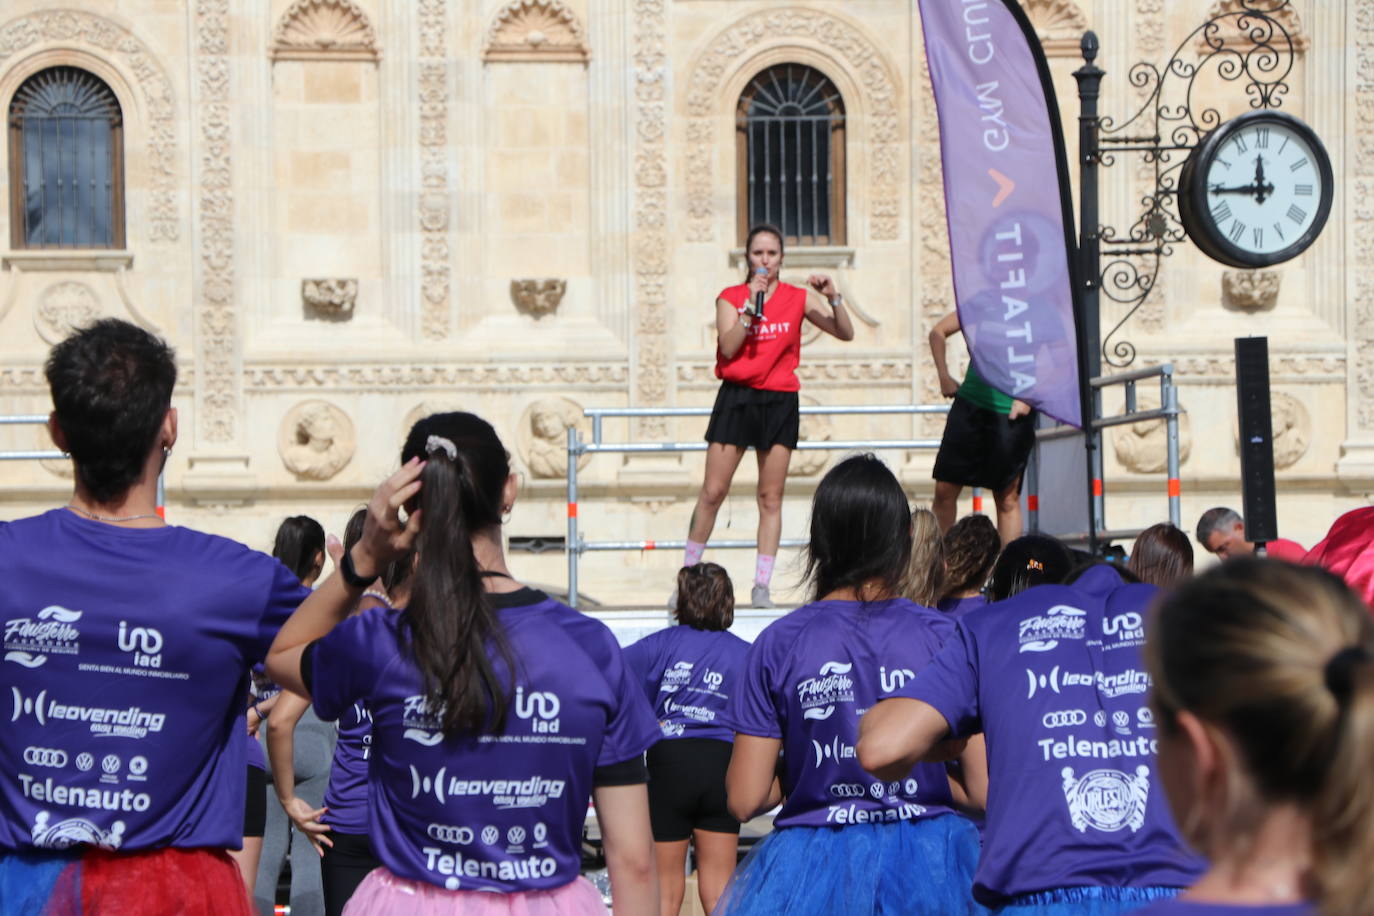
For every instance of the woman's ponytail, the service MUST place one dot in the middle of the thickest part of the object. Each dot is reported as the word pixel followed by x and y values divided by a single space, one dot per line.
pixel 1343 822
pixel 453 627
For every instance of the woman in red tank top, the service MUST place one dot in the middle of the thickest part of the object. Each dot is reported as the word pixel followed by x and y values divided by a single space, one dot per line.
pixel 756 361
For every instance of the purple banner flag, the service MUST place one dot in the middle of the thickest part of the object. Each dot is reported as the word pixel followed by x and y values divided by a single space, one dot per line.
pixel 1006 200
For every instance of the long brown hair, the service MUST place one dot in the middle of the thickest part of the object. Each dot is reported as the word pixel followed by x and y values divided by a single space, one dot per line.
pixel 925 572
pixel 705 597
pixel 1162 556
pixel 1279 658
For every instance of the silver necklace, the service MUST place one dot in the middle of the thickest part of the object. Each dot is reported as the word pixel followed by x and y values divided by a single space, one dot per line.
pixel 112 518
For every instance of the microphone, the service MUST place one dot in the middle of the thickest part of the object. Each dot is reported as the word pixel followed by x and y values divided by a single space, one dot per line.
pixel 758 297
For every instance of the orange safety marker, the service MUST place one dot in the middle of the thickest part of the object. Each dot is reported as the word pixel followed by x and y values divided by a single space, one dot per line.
pixel 1175 487
pixel 572 510
pixel 1033 502
pixel 978 504
pixel 650 545
pixel 1097 486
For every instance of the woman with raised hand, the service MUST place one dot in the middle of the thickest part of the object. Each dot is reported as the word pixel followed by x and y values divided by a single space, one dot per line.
pixel 844 843
pixel 496 711
pixel 1264 701
pixel 689 672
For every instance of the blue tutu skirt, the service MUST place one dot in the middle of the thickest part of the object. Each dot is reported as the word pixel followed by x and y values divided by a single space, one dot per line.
pixel 922 867
pixel 1086 901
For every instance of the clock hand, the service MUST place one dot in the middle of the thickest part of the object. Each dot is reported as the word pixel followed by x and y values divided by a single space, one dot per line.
pixel 1240 189
pixel 1262 190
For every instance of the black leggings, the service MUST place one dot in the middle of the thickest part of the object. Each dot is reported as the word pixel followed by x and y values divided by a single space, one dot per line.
pixel 343 868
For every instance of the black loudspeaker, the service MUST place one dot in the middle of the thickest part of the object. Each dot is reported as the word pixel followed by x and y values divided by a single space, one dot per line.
pixel 1256 439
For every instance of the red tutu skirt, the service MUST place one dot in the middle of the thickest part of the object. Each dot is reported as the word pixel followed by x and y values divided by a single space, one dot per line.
pixel 98 882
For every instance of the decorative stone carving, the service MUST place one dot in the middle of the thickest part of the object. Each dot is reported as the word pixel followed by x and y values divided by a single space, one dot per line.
pixel 542 437
pixel 1059 24
pixel 434 200
pixel 1360 248
pixel 331 300
pixel 652 370
pixel 316 440
pixel 536 30
pixel 422 377
pixel 109 39
pixel 1292 429
pixel 1250 290
pixel 1237 32
pixel 1142 447
pixel 63 308
pixel 878 106
pixel 324 30
pixel 217 352
pixel 537 297
pixel 815 427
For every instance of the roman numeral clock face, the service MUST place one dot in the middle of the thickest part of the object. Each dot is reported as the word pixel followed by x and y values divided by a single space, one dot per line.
pixel 1257 190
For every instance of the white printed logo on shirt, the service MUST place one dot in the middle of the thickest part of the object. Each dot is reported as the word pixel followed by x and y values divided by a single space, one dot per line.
pixel 1107 800
pixel 52 631
pixel 818 695
pixel 1043 632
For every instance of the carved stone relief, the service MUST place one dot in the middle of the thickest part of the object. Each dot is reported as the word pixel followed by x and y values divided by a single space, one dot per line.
pixel 217 352
pixel 536 30
pixel 537 297
pixel 815 427
pixel 1059 24
pixel 434 200
pixel 1250 290
pixel 316 440
pixel 769 28
pixel 324 30
pixel 542 437
pixel 1360 253
pixel 109 39
pixel 652 363
pixel 1292 429
pixel 63 308
pixel 1142 447
pixel 329 299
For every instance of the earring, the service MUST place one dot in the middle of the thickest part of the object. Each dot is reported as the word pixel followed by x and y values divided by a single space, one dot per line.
pixel 505 513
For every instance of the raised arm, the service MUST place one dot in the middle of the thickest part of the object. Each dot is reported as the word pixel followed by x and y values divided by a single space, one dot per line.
pixel 622 812
pixel 281 752
pixel 939 334
pixel 384 539
pixel 833 316
pixel 897 733
pixel 731 328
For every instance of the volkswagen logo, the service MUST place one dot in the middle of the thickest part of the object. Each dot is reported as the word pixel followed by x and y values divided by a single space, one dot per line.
pixel 45 757
pixel 447 833
pixel 847 790
pixel 490 835
pixel 515 836
pixel 110 764
pixel 84 761
pixel 1063 718
pixel 876 790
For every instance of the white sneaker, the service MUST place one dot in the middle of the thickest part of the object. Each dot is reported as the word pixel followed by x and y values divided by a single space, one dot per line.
pixel 759 597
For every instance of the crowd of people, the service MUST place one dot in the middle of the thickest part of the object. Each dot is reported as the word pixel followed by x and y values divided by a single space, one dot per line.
pixel 949 725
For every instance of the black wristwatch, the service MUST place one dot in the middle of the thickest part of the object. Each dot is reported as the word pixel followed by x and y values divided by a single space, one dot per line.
pixel 350 573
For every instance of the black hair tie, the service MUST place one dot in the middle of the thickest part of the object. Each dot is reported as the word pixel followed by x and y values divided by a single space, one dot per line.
pixel 1340 671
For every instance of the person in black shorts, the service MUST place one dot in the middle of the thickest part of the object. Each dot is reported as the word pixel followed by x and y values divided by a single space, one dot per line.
pixel 688 672
pixel 988 439
pixel 756 361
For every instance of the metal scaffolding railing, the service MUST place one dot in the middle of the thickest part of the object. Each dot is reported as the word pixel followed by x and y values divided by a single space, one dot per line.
pixel 38 419
pixel 1168 411
pixel 576 546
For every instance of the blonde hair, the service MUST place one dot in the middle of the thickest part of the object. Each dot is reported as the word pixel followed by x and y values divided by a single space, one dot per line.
pixel 925 571
pixel 1281 658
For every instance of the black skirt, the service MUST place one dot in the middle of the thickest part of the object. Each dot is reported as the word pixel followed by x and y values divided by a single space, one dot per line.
pixel 752 417
pixel 981 448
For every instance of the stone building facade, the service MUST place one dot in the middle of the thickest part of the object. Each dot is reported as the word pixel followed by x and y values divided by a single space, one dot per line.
pixel 347 213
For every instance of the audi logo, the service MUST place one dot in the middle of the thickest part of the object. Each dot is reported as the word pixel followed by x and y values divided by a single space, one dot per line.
pixel 45 757
pixel 847 790
pixel 447 833
pixel 1063 718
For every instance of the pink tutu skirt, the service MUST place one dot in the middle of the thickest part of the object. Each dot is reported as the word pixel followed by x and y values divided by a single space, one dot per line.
pixel 383 894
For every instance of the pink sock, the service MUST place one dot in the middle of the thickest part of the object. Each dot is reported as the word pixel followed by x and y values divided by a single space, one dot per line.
pixel 694 551
pixel 763 570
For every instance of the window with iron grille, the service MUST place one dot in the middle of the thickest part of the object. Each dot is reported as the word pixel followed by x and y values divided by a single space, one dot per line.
pixel 66 162
pixel 790 149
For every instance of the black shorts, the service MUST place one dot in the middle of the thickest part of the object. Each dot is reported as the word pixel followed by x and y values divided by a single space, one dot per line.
pixel 687 788
pixel 255 803
pixel 747 417
pixel 981 448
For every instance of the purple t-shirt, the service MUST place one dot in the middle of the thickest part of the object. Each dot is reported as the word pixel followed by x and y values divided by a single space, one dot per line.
pixel 346 797
pixel 126 656
pixel 503 811
pixel 958 607
pixel 1193 908
pixel 809 677
pixel 1055 680
pixel 689 675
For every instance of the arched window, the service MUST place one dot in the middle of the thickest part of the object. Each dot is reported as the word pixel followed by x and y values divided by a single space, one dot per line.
pixel 790 147
pixel 66 162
